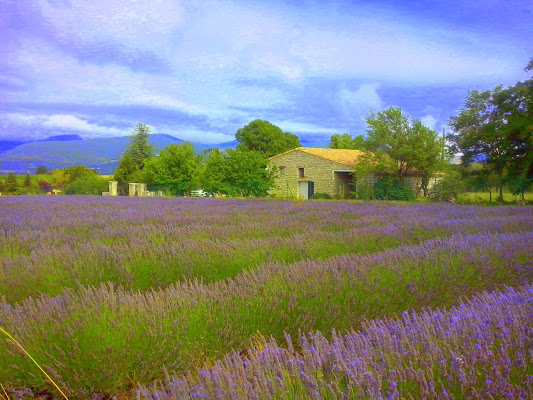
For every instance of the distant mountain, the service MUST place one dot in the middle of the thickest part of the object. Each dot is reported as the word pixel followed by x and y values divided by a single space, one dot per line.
pixel 61 138
pixel 61 151
pixel 102 153
pixel 227 145
pixel 6 145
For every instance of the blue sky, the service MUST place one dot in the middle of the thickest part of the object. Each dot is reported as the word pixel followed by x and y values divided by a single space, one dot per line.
pixel 200 70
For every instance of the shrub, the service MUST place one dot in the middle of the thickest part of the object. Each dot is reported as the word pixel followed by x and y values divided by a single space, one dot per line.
pixel 448 188
pixel 88 184
pixel 321 196
pixel 393 189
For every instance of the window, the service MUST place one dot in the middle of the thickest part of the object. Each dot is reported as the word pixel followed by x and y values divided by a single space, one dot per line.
pixel 282 170
pixel 301 173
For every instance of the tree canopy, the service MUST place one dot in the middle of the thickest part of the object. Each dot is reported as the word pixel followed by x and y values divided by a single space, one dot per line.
pixel 410 144
pixel 213 172
pixel 135 156
pixel 265 138
pixel 495 129
pixel 139 149
pixel 246 173
pixel 346 141
pixel 176 167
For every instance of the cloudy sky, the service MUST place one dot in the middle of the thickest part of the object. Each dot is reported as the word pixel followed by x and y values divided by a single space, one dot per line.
pixel 200 70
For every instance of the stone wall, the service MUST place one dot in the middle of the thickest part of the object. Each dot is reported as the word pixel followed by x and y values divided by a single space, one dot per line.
pixel 113 188
pixel 316 169
pixel 137 190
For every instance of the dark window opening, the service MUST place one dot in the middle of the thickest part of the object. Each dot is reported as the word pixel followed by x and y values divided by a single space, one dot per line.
pixel 301 173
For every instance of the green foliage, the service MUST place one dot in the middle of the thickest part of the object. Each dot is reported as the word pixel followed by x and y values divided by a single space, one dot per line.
pixel 213 173
pixel 78 171
pixel 42 170
pixel 345 141
pixel 368 166
pixel 139 149
pixel 448 188
pixel 135 157
pixel 519 185
pixel 478 134
pixel 59 178
pixel 176 167
pixel 325 196
pixel 28 186
pixel 246 173
pixel 11 184
pixel 27 181
pixel 77 179
pixel 127 170
pixel 87 184
pixel 411 145
pixel 265 138
pixel 494 128
pixel 393 189
pixel 237 173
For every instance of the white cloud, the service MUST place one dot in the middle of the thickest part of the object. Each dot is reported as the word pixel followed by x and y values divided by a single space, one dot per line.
pixel 209 44
pixel 429 120
pixel 66 122
pixel 196 135
pixel 136 23
pixel 57 77
pixel 301 127
pixel 360 101
pixel 278 65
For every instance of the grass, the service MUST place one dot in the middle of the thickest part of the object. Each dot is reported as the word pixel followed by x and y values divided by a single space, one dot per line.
pixel 485 197
pixel 17 344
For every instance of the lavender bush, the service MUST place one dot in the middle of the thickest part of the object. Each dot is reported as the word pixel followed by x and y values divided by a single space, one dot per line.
pixel 108 293
pixel 142 243
pixel 478 350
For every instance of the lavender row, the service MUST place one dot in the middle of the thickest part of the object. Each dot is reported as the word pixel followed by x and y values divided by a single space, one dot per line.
pixel 136 335
pixel 138 243
pixel 481 349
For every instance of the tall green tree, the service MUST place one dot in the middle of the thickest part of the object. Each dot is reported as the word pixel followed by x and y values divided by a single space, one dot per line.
pixel 346 141
pixel 11 184
pixel 265 138
pixel 428 153
pixel 27 181
pixel 410 144
pixel 135 157
pixel 127 170
pixel 246 173
pixel 495 128
pixel 139 149
pixel 176 168
pixel 42 170
pixel 479 134
pixel 515 106
pixel 213 172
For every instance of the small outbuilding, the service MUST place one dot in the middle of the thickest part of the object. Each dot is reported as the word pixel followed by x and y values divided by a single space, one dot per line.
pixel 304 171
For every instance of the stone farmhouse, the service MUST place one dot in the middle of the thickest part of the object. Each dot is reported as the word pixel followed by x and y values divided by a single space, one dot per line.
pixel 304 171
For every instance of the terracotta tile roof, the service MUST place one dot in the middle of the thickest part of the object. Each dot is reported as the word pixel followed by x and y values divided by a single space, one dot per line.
pixel 341 156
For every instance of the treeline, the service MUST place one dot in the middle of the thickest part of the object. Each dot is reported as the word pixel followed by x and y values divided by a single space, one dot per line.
pixel 177 170
pixel 493 134
pixel 77 179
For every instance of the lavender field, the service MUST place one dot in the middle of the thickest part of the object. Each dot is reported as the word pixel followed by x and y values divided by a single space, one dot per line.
pixel 147 298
